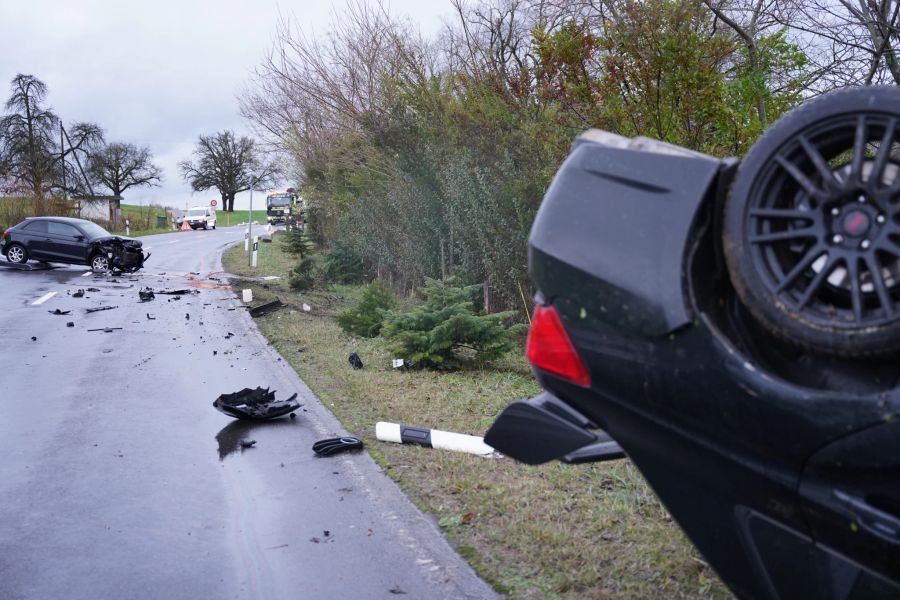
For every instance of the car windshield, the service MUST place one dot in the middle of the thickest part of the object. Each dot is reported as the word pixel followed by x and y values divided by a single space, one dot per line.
pixel 279 201
pixel 197 212
pixel 92 230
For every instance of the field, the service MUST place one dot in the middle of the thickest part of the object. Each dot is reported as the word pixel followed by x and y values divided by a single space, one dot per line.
pixel 551 531
pixel 142 219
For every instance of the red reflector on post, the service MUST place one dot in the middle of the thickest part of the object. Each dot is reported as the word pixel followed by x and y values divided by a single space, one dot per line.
pixel 550 349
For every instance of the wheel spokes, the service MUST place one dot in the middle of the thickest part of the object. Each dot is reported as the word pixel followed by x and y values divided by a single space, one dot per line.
pixel 859 149
pixel 817 281
pixel 808 186
pixel 822 167
pixel 804 263
pixel 856 298
pixel 881 158
pixel 787 234
pixel 880 287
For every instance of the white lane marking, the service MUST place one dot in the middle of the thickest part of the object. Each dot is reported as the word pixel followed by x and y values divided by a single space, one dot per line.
pixel 86 273
pixel 43 298
pixel 173 242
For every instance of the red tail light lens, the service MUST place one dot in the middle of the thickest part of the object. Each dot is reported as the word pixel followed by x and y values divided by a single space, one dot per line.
pixel 550 349
pixel 5 235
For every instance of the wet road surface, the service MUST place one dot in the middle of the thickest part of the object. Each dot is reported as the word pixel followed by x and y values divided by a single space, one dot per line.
pixel 118 479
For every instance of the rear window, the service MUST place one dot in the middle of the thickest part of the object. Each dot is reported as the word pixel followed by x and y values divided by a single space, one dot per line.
pixel 199 212
pixel 36 227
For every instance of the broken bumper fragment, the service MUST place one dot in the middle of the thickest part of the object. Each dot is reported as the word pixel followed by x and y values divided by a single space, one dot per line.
pixel 255 405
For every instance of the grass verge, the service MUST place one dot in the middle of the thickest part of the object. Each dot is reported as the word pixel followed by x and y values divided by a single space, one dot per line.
pixel 551 531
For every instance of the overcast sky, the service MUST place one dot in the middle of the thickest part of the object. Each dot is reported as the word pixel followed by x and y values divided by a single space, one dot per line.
pixel 159 73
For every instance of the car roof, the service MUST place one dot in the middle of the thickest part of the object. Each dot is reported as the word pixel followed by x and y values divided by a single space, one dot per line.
pixel 71 220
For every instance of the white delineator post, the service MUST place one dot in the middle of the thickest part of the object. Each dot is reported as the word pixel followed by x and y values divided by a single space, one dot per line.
pixel 432 438
pixel 255 250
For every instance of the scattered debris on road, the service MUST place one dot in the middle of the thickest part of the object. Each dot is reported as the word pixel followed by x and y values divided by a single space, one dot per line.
pixel 336 445
pixel 146 295
pixel 178 292
pixel 248 443
pixel 78 294
pixel 70 324
pixel 150 317
pixel 106 329
pixel 99 308
pixel 265 309
pixel 33 338
pixel 93 290
pixel 355 361
pixel 59 312
pixel 256 405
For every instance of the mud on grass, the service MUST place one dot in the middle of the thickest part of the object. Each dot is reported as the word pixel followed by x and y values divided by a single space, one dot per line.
pixel 550 531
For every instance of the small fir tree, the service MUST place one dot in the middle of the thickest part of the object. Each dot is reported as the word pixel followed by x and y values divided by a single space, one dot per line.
pixel 365 319
pixel 445 329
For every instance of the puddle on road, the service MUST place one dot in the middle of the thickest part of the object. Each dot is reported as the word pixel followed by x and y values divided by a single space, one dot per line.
pixel 230 437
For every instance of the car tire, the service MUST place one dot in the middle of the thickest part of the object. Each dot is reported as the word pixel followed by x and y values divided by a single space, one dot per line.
pixel 214 227
pixel 811 230
pixel 205 227
pixel 99 263
pixel 17 253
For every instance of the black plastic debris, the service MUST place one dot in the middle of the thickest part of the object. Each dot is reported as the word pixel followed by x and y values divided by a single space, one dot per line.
pixel 248 443
pixel 70 324
pixel 187 316
pixel 93 290
pixel 59 312
pixel 179 292
pixel 33 338
pixel 355 361
pixel 150 317
pixel 99 308
pixel 335 445
pixel 106 329
pixel 146 295
pixel 265 309
pixel 229 335
pixel 256 405
pixel 78 294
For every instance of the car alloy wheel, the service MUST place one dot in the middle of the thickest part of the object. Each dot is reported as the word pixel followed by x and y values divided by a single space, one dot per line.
pixel 17 254
pixel 100 263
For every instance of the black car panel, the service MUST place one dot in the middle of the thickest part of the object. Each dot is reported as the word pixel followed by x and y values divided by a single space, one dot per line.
pixel 780 463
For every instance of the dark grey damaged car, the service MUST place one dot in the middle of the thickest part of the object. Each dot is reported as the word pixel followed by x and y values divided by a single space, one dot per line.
pixel 72 241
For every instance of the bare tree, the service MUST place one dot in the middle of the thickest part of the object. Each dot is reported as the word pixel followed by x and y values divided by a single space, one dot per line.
pixel 119 167
pixel 854 41
pixel 34 161
pixel 228 164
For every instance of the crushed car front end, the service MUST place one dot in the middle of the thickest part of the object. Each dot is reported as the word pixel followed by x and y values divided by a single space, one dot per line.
pixel 123 254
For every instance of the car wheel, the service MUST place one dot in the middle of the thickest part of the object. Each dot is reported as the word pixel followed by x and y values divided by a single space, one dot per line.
pixel 17 253
pixel 812 225
pixel 214 226
pixel 205 227
pixel 100 262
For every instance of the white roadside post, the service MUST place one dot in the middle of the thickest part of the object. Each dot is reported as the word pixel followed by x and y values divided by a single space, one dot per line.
pixel 432 438
pixel 249 224
pixel 127 227
pixel 255 249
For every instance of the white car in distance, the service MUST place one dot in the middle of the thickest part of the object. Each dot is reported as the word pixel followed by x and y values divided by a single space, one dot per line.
pixel 201 217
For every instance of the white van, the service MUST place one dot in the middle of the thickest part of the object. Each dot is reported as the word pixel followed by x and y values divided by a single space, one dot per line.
pixel 201 216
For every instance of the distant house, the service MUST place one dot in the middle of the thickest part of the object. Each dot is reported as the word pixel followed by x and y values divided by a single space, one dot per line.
pixel 99 208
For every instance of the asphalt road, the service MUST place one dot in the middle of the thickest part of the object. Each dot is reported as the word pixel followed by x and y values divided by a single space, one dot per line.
pixel 118 479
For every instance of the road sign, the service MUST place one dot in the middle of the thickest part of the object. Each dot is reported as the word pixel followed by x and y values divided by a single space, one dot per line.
pixel 212 202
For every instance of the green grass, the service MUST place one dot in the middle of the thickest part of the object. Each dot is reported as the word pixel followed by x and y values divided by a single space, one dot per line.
pixel 550 531
pixel 225 219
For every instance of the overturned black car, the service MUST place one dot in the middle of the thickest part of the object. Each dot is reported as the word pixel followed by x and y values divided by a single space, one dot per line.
pixel 734 328
pixel 73 241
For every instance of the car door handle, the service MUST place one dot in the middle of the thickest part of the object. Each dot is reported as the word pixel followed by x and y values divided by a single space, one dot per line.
pixel 870 518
